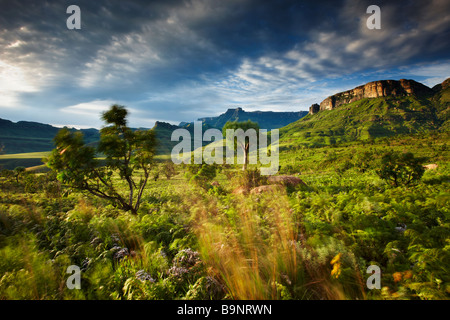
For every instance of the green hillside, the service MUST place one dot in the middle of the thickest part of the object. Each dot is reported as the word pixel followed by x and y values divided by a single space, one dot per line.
pixel 441 102
pixel 26 137
pixel 367 119
pixel 163 132
pixel 27 160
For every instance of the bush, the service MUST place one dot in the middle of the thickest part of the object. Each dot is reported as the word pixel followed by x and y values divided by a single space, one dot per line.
pixel 251 178
pixel 203 176
pixel 400 168
pixel 169 169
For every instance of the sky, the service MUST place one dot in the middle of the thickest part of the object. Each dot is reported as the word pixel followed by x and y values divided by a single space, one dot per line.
pixel 176 61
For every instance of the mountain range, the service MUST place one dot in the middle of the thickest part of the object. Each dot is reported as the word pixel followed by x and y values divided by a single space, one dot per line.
pixel 375 109
pixel 26 136
pixel 266 119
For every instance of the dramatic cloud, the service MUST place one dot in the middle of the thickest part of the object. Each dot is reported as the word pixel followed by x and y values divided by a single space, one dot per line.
pixel 179 60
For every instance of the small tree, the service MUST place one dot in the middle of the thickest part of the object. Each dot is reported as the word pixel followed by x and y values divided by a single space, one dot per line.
pixel 128 153
pixel 245 145
pixel 400 168
pixel 169 169
pixel 18 171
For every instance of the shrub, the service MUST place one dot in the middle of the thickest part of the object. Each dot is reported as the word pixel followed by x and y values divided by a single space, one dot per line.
pixel 400 168
pixel 251 178
pixel 169 169
pixel 206 173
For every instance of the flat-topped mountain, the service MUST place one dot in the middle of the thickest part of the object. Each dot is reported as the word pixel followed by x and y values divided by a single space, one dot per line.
pixel 265 119
pixel 376 109
pixel 374 89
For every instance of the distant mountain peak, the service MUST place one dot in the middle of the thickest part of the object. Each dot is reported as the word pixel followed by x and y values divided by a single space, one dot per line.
pixel 165 125
pixel 265 119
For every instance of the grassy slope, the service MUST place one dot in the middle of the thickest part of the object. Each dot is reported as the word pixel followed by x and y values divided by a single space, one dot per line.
pixel 362 120
pixel 442 103
pixel 31 159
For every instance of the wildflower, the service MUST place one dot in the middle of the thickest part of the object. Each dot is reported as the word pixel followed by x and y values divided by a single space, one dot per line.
pixel 144 276
pixel 336 258
pixel 407 274
pixel 397 276
pixel 336 272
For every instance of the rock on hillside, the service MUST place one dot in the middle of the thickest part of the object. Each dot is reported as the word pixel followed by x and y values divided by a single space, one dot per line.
pixel 267 189
pixel 285 180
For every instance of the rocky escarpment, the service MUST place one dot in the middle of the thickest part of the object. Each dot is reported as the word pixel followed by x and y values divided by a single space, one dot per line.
pixel 314 108
pixel 375 89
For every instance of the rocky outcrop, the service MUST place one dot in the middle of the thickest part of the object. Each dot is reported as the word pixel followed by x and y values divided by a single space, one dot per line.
pixel 376 89
pixel 314 108
pixel 165 125
pixel 432 166
pixel 285 180
pixel 240 190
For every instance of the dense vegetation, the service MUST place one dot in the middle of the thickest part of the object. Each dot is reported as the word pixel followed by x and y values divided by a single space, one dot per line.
pixel 193 238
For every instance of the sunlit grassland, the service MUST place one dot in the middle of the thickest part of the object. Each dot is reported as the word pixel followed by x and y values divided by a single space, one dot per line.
pixel 196 243
pixel 30 155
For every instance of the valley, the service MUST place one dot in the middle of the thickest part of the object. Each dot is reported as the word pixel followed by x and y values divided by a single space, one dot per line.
pixel 208 231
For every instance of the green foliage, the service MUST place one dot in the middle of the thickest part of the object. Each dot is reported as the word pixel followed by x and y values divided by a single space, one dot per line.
pixel 18 171
pixel 249 179
pixel 401 168
pixel 204 174
pixel 313 242
pixel 169 169
pixel 128 154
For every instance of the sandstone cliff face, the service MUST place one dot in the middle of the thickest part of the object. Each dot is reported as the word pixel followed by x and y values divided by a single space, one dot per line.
pixel 374 89
pixel 314 108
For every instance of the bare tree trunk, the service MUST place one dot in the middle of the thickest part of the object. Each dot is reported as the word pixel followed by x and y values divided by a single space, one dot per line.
pixel 244 167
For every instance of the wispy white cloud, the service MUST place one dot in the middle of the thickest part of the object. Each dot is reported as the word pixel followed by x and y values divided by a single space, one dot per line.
pixel 14 81
pixel 90 108
pixel 181 60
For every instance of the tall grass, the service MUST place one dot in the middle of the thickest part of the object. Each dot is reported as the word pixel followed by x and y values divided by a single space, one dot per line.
pixel 252 244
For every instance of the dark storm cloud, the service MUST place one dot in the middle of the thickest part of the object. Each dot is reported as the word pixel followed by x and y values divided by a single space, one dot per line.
pixel 172 59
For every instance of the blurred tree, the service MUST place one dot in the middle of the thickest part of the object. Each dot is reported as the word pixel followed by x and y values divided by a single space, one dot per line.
pixel 127 153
